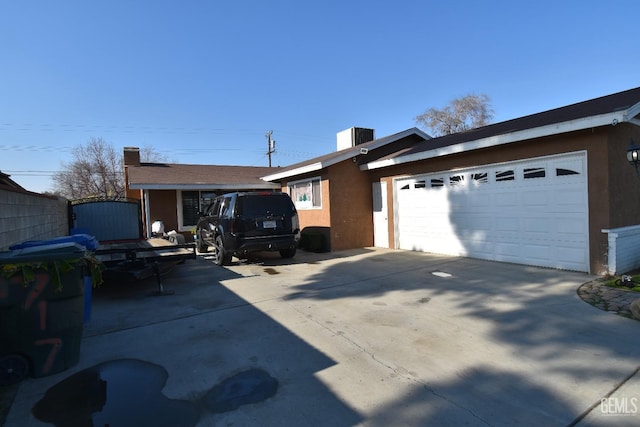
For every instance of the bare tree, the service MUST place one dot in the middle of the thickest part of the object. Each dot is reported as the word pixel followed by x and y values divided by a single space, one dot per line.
pixel 96 171
pixel 468 112
pixel 149 155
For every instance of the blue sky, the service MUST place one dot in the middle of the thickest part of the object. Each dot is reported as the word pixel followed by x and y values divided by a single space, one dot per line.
pixel 201 82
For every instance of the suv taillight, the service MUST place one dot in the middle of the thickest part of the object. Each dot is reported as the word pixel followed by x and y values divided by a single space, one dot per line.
pixel 233 226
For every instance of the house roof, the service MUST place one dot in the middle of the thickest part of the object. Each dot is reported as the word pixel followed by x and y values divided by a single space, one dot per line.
pixel 6 183
pixel 9 184
pixel 604 111
pixel 327 160
pixel 171 176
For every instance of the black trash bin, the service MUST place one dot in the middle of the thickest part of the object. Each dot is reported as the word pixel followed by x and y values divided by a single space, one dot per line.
pixel 86 240
pixel 41 309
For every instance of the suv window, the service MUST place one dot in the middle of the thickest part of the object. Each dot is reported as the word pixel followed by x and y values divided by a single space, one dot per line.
pixel 225 205
pixel 260 205
pixel 213 208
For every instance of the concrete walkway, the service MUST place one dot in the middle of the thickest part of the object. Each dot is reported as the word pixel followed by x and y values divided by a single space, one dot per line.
pixel 367 337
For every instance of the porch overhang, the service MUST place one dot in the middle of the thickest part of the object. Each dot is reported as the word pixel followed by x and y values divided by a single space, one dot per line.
pixel 203 186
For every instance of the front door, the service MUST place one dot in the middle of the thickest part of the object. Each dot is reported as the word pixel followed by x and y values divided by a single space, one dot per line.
pixel 380 218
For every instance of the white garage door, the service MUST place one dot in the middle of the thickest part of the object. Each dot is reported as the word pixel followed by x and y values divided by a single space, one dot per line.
pixel 530 212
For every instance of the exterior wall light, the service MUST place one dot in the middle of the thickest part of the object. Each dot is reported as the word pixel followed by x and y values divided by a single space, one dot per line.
pixel 633 155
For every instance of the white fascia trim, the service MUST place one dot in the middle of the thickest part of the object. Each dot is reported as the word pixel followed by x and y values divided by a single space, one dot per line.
pixel 312 167
pixel 298 171
pixel 265 185
pixel 351 153
pixel 631 113
pixel 539 132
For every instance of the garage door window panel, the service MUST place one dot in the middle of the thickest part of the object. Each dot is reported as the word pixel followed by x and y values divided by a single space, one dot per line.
pixel 566 172
pixel 420 184
pixel 437 182
pixel 532 173
pixel 456 180
pixel 505 175
pixel 480 178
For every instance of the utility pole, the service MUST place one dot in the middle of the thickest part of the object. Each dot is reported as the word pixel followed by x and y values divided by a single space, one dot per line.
pixel 271 145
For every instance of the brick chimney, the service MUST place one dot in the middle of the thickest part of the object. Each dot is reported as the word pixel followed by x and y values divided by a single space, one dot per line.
pixel 131 156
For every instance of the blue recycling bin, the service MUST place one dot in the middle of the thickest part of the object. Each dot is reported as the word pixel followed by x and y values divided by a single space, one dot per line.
pixel 89 242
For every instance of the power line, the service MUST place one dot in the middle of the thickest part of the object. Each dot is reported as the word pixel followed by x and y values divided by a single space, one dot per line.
pixel 96 128
pixel 180 151
pixel 43 174
pixel 32 148
pixel 47 127
pixel 131 129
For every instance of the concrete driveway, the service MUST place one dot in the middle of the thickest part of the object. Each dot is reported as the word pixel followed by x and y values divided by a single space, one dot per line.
pixel 365 337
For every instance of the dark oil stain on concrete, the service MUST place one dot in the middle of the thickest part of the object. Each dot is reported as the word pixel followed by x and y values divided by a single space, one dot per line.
pixel 128 392
pixel 252 386
pixel 271 271
pixel 124 392
pixel 424 300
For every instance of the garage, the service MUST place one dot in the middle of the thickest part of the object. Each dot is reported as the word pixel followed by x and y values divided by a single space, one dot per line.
pixel 532 212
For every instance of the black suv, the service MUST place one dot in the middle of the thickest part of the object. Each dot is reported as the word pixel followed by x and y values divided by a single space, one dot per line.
pixel 242 223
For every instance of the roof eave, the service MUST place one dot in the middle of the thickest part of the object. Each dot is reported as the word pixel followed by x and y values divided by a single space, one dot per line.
pixel 538 132
pixel 297 171
pixel 256 186
pixel 351 153
pixel 631 113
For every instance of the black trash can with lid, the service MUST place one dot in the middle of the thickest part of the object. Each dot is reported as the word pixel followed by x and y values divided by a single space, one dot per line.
pixel 41 309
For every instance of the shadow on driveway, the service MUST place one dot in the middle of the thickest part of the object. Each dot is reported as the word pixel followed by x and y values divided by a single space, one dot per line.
pixel 201 335
pixel 481 342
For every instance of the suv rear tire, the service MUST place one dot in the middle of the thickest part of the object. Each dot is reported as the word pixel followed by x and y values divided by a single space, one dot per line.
pixel 288 253
pixel 222 257
pixel 202 245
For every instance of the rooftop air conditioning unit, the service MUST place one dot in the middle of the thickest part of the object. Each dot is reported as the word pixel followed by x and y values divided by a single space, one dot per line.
pixel 353 136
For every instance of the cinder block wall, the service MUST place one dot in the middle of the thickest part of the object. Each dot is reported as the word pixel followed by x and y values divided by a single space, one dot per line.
pixel 31 216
